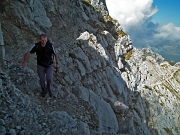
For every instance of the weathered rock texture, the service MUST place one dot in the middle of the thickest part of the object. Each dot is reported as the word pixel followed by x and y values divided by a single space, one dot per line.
pixel 98 66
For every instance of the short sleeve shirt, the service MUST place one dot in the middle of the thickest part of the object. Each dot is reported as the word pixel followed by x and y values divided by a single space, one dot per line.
pixel 45 54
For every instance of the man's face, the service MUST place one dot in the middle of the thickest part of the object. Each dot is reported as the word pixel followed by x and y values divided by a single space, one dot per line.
pixel 43 41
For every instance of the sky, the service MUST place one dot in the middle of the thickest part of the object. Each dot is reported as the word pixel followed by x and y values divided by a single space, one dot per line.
pixel 153 24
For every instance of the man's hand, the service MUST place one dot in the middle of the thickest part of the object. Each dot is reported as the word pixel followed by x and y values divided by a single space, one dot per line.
pixel 56 66
pixel 24 64
pixel 26 56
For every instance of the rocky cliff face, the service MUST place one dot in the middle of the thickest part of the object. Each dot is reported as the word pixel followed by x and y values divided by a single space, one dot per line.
pixel 98 66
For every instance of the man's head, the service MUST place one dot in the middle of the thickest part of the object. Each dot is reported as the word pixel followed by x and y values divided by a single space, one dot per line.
pixel 43 39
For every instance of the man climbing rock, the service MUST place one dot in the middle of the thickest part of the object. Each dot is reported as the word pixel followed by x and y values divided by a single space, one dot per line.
pixel 45 53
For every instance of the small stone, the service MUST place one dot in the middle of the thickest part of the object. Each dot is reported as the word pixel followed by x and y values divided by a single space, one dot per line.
pixel 12 132
pixel 16 113
pixel 2 130
pixel 2 122
pixel 49 133
pixel 18 127
pixel 44 124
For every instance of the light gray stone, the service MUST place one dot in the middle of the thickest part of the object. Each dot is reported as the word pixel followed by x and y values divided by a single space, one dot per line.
pixel 107 118
pixel 2 130
pixel 12 132
pixel 83 129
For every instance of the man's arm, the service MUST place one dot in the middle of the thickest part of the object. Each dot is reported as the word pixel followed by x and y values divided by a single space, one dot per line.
pixel 56 58
pixel 26 56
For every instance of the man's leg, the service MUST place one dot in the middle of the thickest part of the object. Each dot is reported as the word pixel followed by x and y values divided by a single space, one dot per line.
pixel 41 72
pixel 49 79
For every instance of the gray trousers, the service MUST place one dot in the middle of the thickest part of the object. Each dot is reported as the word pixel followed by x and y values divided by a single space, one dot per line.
pixel 46 77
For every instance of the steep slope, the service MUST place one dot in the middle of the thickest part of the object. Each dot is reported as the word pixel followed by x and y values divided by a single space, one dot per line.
pixel 160 87
pixel 98 66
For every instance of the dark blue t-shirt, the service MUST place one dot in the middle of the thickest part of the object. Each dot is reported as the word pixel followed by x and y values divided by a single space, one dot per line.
pixel 45 54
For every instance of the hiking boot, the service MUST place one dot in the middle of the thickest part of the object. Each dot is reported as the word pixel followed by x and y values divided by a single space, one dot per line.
pixel 43 94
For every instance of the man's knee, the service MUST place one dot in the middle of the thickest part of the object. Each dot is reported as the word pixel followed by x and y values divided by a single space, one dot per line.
pixel 49 78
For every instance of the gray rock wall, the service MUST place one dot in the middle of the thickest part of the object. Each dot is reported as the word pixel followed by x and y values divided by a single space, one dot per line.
pixel 98 66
